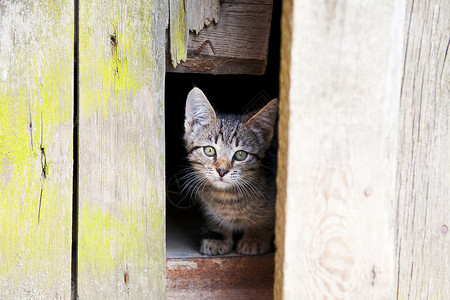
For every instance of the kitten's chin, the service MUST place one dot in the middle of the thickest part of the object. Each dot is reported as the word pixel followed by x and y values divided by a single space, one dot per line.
pixel 221 184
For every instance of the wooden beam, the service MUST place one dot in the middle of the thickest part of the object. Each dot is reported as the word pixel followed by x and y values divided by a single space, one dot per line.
pixel 36 117
pixel 229 277
pixel 423 245
pixel 339 97
pixel 122 191
pixel 240 39
pixel 202 13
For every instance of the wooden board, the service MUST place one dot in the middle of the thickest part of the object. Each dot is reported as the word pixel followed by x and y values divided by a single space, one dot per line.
pixel 178 31
pixel 240 39
pixel 339 98
pixel 230 277
pixel 202 13
pixel 423 245
pixel 122 194
pixel 36 106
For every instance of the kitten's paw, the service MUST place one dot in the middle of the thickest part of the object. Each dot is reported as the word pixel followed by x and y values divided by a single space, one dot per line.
pixel 253 246
pixel 215 247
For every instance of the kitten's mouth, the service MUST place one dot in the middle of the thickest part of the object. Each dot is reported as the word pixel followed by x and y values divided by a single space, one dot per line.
pixel 221 183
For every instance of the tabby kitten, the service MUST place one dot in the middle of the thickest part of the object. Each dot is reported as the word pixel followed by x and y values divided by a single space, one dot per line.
pixel 226 153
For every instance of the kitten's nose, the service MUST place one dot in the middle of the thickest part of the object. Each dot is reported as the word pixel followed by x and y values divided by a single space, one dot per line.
pixel 222 172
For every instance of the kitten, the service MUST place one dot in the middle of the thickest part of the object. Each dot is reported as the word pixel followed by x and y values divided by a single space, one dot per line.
pixel 226 153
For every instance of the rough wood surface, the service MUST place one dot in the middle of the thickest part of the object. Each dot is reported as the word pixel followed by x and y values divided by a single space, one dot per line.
pixel 231 277
pixel 36 99
pixel 201 13
pixel 423 244
pixel 178 31
pixel 240 39
pixel 340 87
pixel 122 195
pixel 220 65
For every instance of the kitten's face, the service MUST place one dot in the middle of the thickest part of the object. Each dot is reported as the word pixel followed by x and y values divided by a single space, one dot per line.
pixel 223 159
pixel 226 151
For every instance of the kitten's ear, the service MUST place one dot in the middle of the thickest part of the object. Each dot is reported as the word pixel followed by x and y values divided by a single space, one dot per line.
pixel 198 110
pixel 263 121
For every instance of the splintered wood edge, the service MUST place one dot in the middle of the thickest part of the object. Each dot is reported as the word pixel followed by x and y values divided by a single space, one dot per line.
pixel 239 49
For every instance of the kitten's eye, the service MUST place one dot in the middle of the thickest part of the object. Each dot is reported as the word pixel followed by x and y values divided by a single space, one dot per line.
pixel 240 155
pixel 209 151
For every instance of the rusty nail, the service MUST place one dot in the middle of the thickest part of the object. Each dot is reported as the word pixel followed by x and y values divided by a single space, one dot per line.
pixel 126 278
pixel 203 46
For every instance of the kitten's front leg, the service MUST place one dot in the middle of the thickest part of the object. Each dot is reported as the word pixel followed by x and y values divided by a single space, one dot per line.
pixel 256 241
pixel 217 241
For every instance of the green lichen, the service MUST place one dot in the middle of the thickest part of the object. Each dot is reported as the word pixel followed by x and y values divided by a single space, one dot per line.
pixel 118 82
pixel 35 157
pixel 108 240
pixel 178 34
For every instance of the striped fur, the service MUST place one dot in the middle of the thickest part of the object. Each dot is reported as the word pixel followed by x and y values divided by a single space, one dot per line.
pixel 236 195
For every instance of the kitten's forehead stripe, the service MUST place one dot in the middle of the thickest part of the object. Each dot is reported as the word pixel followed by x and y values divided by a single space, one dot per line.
pixel 233 134
pixel 216 139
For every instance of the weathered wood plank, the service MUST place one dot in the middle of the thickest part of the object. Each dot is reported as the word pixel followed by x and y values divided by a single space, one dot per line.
pixel 36 105
pixel 201 13
pixel 339 97
pixel 178 31
pixel 424 156
pixel 242 32
pixel 240 39
pixel 220 65
pixel 230 277
pixel 122 218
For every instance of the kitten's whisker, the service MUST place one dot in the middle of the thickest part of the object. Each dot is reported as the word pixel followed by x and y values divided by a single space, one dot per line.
pixel 193 184
pixel 190 184
pixel 252 187
pixel 190 174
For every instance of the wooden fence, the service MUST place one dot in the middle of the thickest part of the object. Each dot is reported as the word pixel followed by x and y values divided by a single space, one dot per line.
pixel 118 86
pixel 363 205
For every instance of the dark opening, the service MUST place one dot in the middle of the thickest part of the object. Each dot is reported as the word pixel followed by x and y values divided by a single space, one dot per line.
pixel 228 94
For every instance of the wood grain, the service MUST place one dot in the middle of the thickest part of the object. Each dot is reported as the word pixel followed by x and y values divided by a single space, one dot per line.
pixel 423 245
pixel 36 99
pixel 178 31
pixel 202 13
pixel 231 277
pixel 122 207
pixel 240 38
pixel 340 86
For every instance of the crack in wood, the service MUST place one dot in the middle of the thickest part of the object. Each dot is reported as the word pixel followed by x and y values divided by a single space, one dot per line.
pixel 40 201
pixel 43 177
pixel 114 52
pixel 43 171
pixel 43 164
pixel 30 128
pixel 374 275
